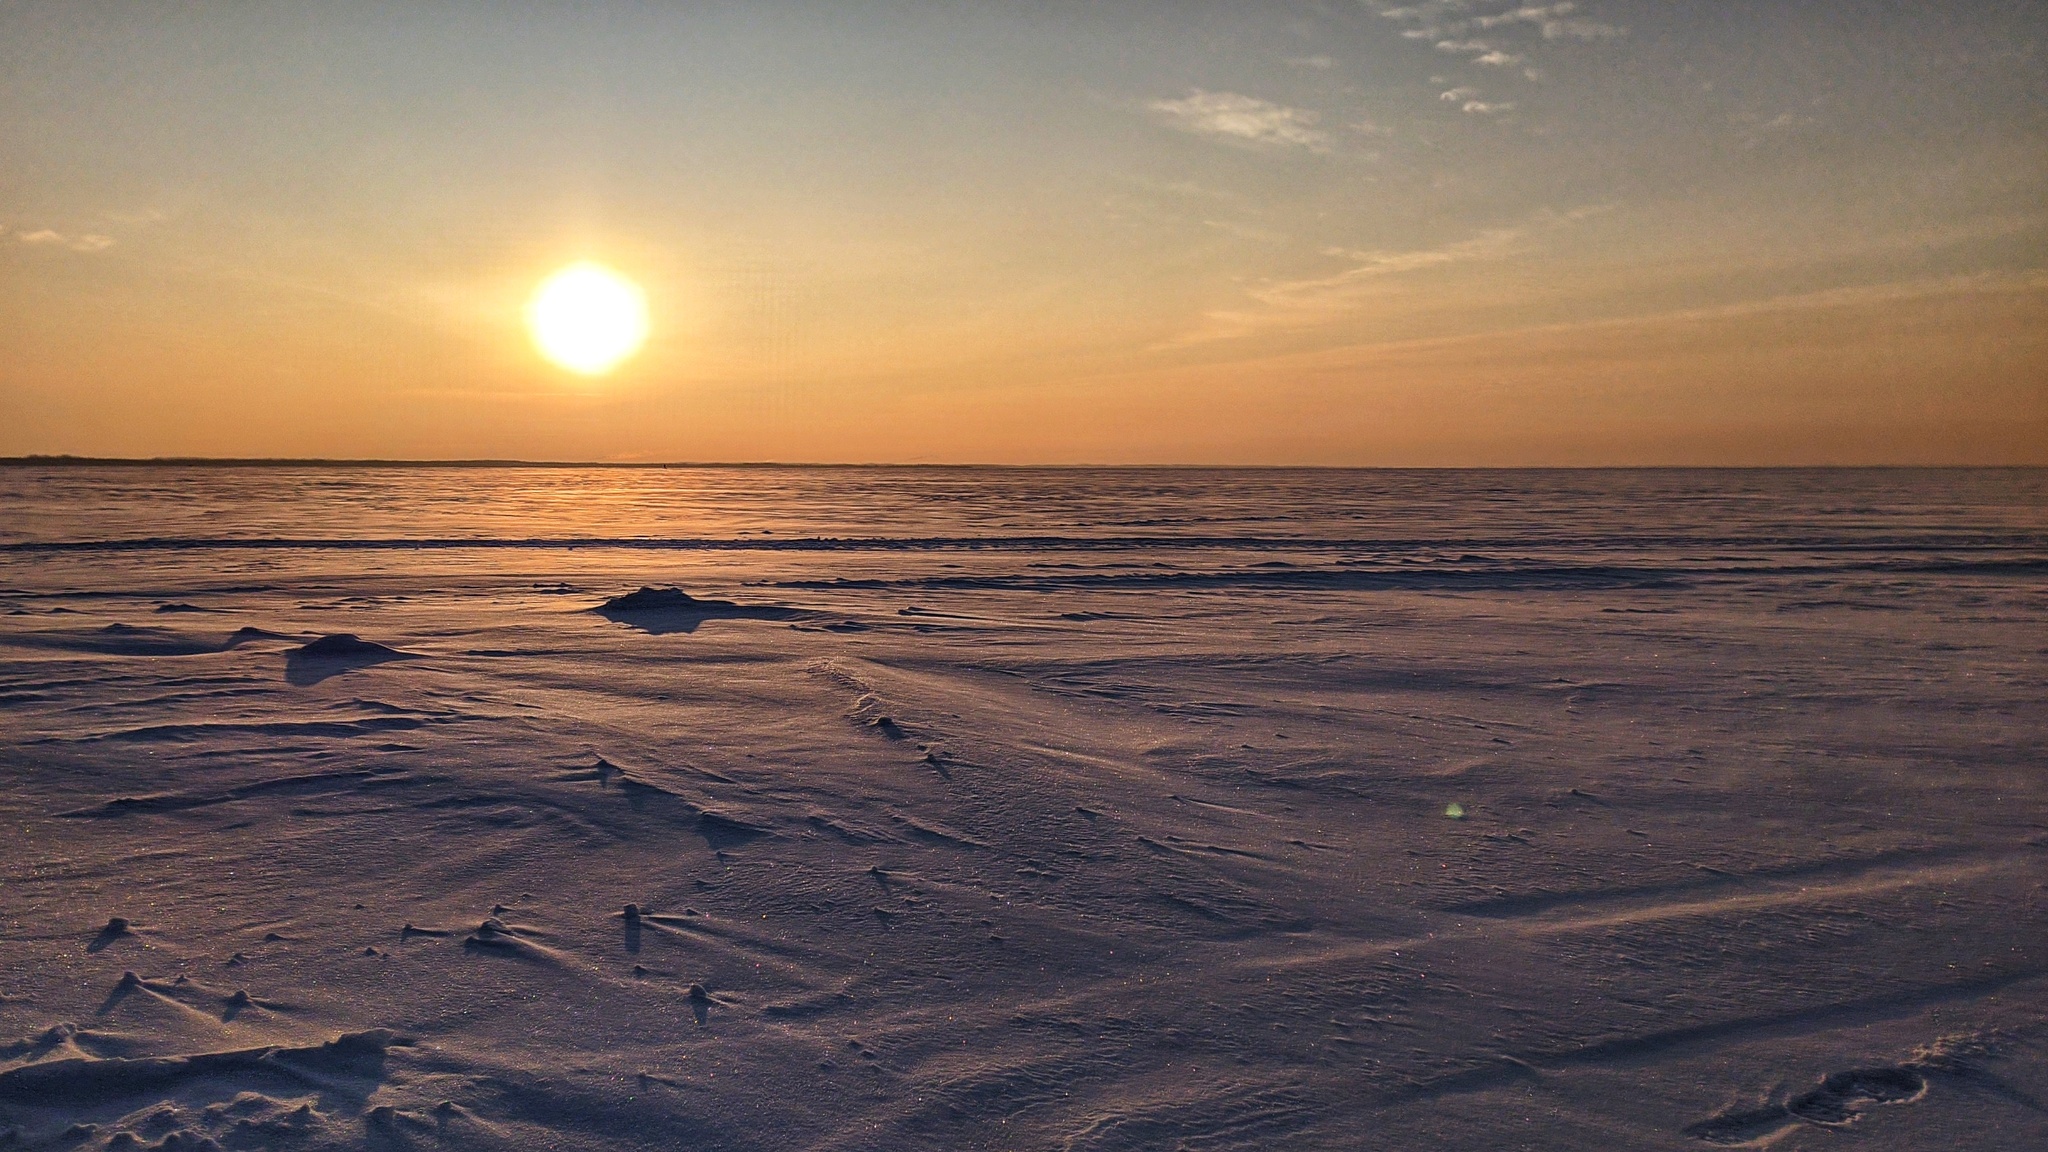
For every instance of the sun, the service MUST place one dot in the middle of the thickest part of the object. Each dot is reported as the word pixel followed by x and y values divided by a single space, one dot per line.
pixel 587 318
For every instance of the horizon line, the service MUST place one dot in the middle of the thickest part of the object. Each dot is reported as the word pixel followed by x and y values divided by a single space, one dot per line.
pixel 68 460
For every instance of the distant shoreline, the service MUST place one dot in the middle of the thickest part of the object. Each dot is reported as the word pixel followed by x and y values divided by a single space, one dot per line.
pixel 65 461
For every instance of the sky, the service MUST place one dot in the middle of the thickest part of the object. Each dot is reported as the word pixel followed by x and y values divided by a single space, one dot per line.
pixel 1440 233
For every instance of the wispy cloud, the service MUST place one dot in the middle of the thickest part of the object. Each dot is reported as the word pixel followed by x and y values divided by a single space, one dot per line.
pixel 1555 20
pixel 1528 14
pixel 1851 296
pixel 1427 10
pixel 1310 302
pixel 1376 262
pixel 1321 63
pixel 1449 25
pixel 50 238
pixel 1288 305
pixel 1245 231
pixel 1559 21
pixel 1754 130
pixel 1246 118
pixel 1481 52
pixel 1467 100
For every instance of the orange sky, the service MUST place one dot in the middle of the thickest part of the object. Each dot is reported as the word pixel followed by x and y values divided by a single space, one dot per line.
pixel 1445 234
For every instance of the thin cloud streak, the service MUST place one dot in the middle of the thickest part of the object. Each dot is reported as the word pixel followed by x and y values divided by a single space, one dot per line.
pixel 1890 293
pixel 1866 295
pixel 1312 302
pixel 51 238
pixel 1288 305
pixel 1553 21
pixel 1246 118
pixel 1449 25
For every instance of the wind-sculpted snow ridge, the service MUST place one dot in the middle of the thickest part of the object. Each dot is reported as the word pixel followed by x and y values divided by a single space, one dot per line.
pixel 120 639
pixel 335 654
pixel 667 609
pixel 65 1094
pixel 1634 842
pixel 67 1079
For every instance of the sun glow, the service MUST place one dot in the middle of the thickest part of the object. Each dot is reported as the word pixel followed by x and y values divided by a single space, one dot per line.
pixel 587 318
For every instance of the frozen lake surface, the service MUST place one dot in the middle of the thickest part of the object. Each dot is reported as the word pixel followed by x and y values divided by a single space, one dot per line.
pixel 1023 809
